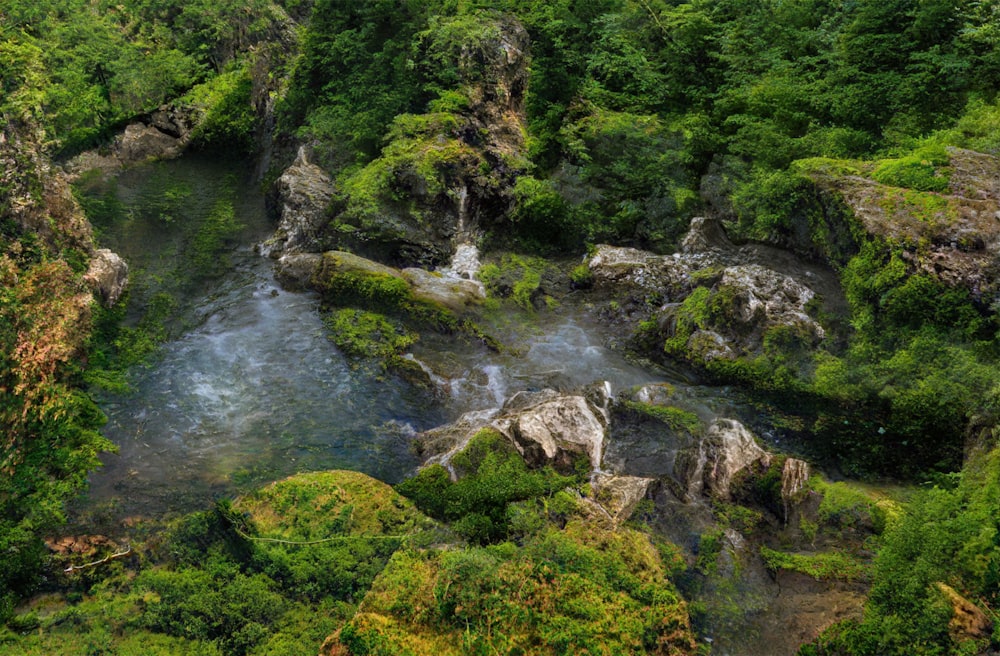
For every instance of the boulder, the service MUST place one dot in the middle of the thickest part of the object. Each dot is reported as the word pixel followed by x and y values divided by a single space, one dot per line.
pixel 968 621
pixel 107 276
pixel 454 293
pixel 300 199
pixel 556 430
pixel 625 269
pixel 618 496
pixel 439 445
pixel 295 271
pixel 727 449
pixel 748 301
pixel 141 142
pixel 546 427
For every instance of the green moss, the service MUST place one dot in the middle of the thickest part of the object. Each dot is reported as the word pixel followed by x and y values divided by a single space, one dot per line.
pixel 923 170
pixel 364 334
pixel 826 166
pixel 602 591
pixel 823 566
pixel 676 418
pixel 710 546
pixel 845 505
pixel 926 207
pixel 518 277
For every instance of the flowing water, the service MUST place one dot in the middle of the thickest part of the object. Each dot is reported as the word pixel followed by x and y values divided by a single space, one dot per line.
pixel 249 389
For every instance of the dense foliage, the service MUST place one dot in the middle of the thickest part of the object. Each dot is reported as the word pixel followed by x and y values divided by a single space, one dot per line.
pixel 636 115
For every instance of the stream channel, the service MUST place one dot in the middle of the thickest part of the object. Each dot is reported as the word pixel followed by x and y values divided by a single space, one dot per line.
pixel 249 389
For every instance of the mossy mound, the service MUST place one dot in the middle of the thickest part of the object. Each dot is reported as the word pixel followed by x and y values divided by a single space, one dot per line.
pixel 582 589
pixel 319 505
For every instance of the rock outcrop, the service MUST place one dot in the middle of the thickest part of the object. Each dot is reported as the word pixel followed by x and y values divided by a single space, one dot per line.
pixel 446 175
pixel 300 201
pixel 162 134
pixel 549 428
pixel 546 427
pixel 952 235
pixel 107 276
pixel 727 449
pixel 298 271
pixel 751 290
pixel 968 621
pixel 618 496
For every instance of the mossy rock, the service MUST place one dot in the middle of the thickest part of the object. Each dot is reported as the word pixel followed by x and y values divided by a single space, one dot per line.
pixel 320 504
pixel 602 591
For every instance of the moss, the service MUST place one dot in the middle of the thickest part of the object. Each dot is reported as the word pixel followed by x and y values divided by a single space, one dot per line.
pixel 676 418
pixel 602 591
pixel 923 170
pixel 581 277
pixel 822 566
pixel 364 334
pixel 518 277
pixel 826 166
pixel 845 505
pixel 926 207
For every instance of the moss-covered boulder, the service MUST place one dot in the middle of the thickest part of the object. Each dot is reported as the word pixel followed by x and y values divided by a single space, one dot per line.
pixel 582 589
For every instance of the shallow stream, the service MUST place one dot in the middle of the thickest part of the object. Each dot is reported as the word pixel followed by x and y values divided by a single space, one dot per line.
pixel 249 389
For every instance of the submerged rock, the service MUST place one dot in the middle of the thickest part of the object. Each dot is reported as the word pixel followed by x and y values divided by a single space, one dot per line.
pixel 107 276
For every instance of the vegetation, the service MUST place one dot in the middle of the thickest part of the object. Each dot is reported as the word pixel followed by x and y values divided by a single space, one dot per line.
pixel 636 115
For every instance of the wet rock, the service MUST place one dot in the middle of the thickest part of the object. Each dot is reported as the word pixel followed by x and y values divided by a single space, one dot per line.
pixel 163 134
pixel 439 445
pixel 107 276
pixel 968 621
pixel 623 269
pixel 452 178
pixel 557 430
pixel 705 236
pixel 454 293
pixel 750 300
pixel 794 477
pixel 295 271
pixel 343 262
pixel 546 427
pixel 141 142
pixel 300 200
pixel 618 496
pixel 727 449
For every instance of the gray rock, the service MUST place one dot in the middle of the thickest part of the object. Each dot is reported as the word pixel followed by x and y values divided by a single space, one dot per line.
pixel 295 271
pixel 456 294
pixel 301 200
pixel 727 449
pixel 107 276
pixel 618 496
pixel 556 432
pixel 141 142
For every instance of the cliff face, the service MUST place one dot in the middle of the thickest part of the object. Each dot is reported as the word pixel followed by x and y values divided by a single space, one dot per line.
pixel 442 176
